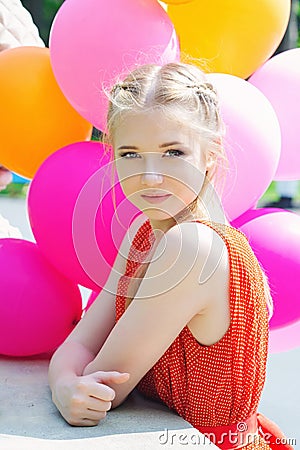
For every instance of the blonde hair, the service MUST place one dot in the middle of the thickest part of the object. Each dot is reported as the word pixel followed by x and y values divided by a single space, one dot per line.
pixel 183 93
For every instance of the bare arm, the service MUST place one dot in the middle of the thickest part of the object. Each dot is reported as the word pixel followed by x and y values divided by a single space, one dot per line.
pixel 80 347
pixel 72 392
pixel 84 400
pixel 166 300
pixel 168 297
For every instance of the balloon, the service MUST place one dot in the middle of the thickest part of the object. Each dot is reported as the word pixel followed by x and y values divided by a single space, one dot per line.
pixel 72 216
pixel 36 119
pixel 285 338
pixel 232 36
pixel 252 214
pixel 177 2
pixel 39 307
pixel 252 143
pixel 114 37
pixel 275 239
pixel 163 5
pixel 279 80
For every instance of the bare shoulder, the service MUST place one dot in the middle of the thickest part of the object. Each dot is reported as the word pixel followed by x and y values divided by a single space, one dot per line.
pixel 201 246
pixel 188 259
pixel 209 281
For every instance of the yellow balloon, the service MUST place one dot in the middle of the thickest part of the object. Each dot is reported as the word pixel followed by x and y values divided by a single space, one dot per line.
pixel 232 36
pixel 36 119
pixel 177 2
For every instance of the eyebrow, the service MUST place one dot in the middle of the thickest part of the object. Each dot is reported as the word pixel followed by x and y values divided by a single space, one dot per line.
pixel 169 144
pixel 127 147
pixel 132 147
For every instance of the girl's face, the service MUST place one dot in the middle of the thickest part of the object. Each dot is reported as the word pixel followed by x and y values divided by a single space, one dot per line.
pixel 161 165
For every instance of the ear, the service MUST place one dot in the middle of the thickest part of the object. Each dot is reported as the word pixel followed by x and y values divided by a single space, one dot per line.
pixel 211 154
pixel 210 160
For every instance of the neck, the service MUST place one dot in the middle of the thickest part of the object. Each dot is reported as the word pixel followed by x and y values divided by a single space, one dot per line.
pixel 162 226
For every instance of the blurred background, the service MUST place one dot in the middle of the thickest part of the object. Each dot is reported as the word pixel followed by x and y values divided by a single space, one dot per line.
pixel 43 13
pixel 281 397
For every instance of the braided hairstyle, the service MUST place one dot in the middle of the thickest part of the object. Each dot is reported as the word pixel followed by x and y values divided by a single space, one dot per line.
pixel 182 92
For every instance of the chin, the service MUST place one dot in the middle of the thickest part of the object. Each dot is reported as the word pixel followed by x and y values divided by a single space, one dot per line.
pixel 157 215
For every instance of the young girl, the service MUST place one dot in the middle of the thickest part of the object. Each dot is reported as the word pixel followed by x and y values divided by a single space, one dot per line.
pixel 184 314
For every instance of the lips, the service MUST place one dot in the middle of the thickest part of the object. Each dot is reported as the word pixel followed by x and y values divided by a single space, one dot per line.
pixel 155 198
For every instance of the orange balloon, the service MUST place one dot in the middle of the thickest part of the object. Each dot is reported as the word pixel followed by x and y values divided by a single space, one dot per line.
pixel 230 36
pixel 36 119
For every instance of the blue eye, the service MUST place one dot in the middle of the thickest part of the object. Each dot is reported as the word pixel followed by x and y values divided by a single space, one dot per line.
pixel 179 152
pixel 127 155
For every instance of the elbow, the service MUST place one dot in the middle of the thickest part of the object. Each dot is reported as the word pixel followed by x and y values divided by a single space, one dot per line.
pixel 91 366
pixel 117 401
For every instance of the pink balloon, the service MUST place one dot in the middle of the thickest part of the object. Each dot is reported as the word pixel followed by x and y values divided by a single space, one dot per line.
pixel 279 80
pixel 274 236
pixel 71 211
pixel 39 307
pixel 252 143
pixel 252 214
pixel 285 338
pixel 93 41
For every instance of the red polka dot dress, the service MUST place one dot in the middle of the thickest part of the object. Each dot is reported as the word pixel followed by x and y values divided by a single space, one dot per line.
pixel 219 385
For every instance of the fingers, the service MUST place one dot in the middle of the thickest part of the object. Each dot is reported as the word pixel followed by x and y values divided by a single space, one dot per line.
pixel 96 390
pixel 112 377
pixel 102 391
pixel 85 423
pixel 90 419
pixel 83 409
pixel 94 404
pixel 86 399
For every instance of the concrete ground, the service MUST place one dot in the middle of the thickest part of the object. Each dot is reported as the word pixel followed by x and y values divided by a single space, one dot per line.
pixel 28 419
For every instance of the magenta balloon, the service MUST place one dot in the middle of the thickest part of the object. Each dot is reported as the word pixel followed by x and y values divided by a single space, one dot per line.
pixel 39 307
pixel 275 239
pixel 252 214
pixel 93 41
pixel 279 80
pixel 252 143
pixel 71 212
pixel 285 338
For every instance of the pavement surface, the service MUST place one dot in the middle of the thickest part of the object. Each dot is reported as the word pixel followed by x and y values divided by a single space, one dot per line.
pixel 29 420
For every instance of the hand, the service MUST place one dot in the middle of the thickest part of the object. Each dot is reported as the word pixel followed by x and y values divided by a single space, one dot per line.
pixel 84 400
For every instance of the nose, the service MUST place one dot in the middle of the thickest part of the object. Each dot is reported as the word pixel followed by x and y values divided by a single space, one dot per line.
pixel 151 178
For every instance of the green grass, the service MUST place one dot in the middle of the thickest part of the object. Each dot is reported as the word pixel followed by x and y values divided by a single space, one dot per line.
pixel 271 194
pixel 15 190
